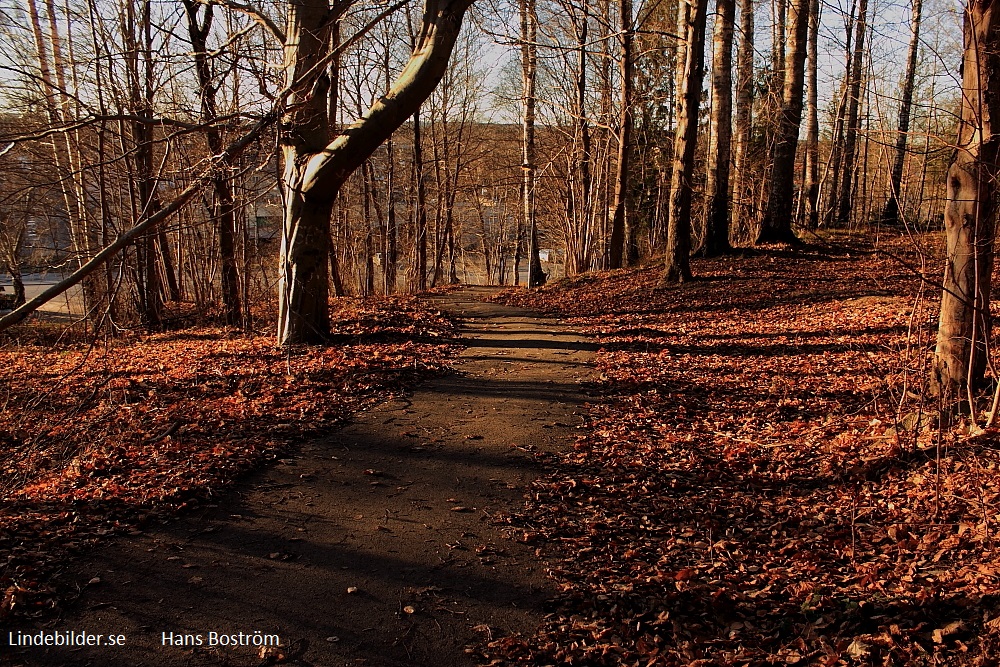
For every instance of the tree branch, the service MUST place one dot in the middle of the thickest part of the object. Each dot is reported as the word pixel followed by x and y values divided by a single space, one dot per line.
pixel 253 13
pixel 422 72
pixel 20 313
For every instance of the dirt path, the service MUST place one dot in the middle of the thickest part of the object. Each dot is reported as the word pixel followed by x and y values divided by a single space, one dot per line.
pixel 371 546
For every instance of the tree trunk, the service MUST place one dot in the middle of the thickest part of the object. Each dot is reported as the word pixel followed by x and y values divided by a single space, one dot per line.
pixel 303 316
pixel 56 102
pixel 777 223
pixel 844 201
pixel 890 214
pixel 691 20
pixel 529 66
pixel 145 199
pixel 369 202
pixel 518 250
pixel 828 203
pixel 19 294
pixel 970 213
pixel 336 280
pixel 607 122
pixel 744 115
pixel 620 219
pixel 721 132
pixel 86 238
pixel 580 241
pixel 315 170
pixel 391 260
pixel 224 205
pixel 779 10
pixel 810 185
pixel 769 120
pixel 536 276
pixel 420 209
pixel 173 291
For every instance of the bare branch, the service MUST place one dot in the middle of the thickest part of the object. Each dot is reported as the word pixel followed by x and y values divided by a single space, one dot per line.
pixel 185 127
pixel 19 314
pixel 253 13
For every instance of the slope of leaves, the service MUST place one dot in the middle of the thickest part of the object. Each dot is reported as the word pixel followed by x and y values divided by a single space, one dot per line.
pixel 754 488
pixel 101 438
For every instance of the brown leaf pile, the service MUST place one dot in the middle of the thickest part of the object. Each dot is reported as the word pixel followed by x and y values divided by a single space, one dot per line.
pixel 107 437
pixel 759 484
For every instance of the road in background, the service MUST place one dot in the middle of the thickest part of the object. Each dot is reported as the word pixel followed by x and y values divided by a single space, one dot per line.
pixel 68 303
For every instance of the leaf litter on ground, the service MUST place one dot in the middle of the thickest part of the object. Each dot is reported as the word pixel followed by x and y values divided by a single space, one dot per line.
pixel 757 483
pixel 107 437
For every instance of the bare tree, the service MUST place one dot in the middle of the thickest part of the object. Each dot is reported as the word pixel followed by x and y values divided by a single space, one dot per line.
pixel 970 213
pixel 846 191
pixel 315 167
pixel 720 131
pixel 224 204
pixel 691 21
pixel 52 74
pixel 311 182
pixel 419 207
pixel 891 211
pixel 776 225
pixel 619 253
pixel 580 183
pixel 529 69
pixel 811 184
pixel 744 114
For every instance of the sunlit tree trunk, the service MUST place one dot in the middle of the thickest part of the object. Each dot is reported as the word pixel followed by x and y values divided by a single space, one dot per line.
pixel 105 202
pixel 744 115
pixel 691 21
pixel 844 200
pixel 828 200
pixel 65 157
pixel 620 220
pixel 582 210
pixel 810 186
pixel 86 239
pixel 970 212
pixel 721 131
pixel 776 225
pixel 779 11
pixel 315 168
pixel 890 213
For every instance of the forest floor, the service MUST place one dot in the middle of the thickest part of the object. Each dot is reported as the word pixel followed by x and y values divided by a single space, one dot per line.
pixel 741 470
pixel 374 543
pixel 761 481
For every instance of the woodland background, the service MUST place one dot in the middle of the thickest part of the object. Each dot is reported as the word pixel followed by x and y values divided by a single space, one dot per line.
pixel 794 450
pixel 113 109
